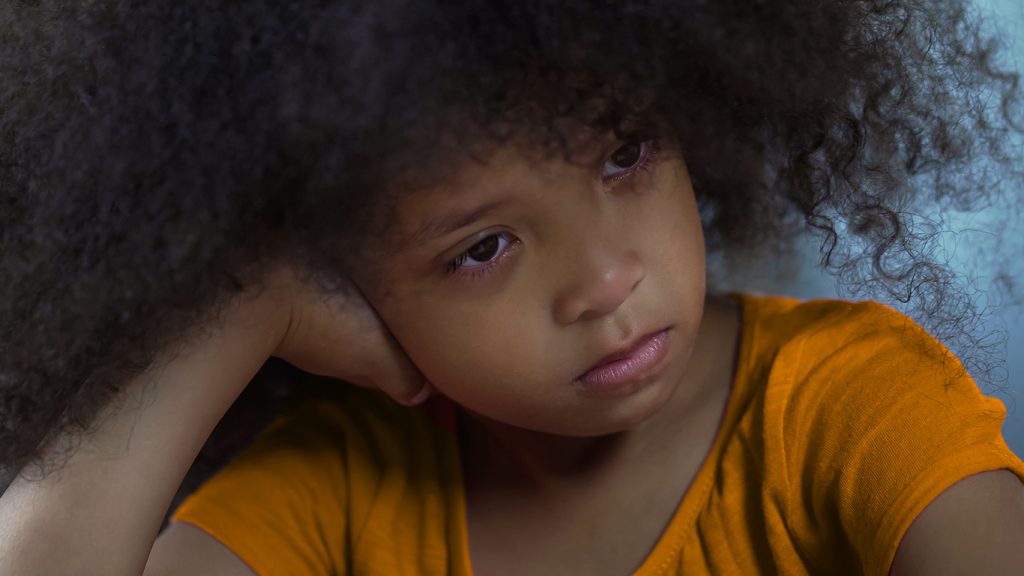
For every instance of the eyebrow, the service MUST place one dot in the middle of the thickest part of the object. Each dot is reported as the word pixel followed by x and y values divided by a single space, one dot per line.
pixel 451 222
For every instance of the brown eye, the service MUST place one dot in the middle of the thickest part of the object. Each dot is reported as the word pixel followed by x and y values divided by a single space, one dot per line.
pixel 627 155
pixel 627 159
pixel 485 253
pixel 484 250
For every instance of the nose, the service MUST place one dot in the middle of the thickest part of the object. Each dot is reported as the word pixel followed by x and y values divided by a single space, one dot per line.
pixel 598 285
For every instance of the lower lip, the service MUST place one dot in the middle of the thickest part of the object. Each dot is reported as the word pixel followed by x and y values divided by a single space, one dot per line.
pixel 619 374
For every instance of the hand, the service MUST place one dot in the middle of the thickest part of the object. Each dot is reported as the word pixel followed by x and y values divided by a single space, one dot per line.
pixel 341 336
pixel 116 485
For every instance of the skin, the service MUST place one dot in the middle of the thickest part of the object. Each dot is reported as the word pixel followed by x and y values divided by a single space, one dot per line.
pixel 590 263
pixel 974 527
pixel 590 256
pixel 103 508
pixel 608 259
pixel 591 468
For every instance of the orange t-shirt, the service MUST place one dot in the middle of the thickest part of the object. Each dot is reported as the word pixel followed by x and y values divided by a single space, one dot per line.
pixel 844 421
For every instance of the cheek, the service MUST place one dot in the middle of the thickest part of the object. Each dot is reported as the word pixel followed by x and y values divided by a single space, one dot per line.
pixel 458 348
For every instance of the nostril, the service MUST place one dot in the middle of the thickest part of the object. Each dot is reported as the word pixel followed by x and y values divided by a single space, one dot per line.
pixel 600 290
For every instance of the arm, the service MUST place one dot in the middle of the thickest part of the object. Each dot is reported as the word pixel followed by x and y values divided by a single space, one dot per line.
pixel 185 549
pixel 103 508
pixel 975 527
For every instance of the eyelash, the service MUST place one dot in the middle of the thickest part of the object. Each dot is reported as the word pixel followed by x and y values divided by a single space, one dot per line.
pixel 649 154
pixel 454 267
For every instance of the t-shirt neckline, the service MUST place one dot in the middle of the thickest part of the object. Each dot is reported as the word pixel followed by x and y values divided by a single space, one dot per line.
pixel 670 543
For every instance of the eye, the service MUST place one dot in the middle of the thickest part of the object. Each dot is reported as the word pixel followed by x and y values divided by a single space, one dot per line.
pixel 628 159
pixel 484 253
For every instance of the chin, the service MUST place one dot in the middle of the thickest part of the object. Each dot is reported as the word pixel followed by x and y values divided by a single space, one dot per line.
pixel 614 415
pixel 629 417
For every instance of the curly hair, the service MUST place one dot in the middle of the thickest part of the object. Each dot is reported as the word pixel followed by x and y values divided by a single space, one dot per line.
pixel 156 156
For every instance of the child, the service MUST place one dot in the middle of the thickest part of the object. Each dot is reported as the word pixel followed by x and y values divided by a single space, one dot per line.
pixel 494 213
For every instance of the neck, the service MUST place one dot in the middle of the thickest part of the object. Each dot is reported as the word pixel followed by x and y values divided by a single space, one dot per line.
pixel 505 453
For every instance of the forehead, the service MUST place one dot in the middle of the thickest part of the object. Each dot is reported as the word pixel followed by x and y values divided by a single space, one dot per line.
pixel 475 184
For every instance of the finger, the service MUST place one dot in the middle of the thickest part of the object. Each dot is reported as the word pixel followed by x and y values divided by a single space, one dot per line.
pixel 393 371
pixel 397 376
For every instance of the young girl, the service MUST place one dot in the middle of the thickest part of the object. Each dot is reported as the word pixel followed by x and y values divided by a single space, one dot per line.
pixel 496 214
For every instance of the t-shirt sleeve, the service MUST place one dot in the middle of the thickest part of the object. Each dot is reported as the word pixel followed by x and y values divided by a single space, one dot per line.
pixel 280 505
pixel 882 418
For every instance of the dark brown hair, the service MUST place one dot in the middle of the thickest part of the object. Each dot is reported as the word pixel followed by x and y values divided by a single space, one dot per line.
pixel 155 156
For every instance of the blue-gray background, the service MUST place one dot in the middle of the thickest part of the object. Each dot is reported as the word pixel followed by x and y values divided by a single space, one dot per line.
pixel 979 244
pixel 1009 15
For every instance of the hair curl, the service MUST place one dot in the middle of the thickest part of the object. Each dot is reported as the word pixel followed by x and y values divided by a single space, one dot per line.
pixel 156 156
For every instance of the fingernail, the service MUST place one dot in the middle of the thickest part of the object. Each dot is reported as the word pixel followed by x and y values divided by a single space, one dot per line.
pixel 426 392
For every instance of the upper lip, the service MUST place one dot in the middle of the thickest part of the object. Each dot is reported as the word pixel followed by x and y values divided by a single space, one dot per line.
pixel 624 351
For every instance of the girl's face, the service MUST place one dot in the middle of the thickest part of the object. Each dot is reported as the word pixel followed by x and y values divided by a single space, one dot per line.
pixel 508 284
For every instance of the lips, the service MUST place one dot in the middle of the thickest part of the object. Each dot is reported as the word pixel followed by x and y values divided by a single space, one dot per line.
pixel 628 364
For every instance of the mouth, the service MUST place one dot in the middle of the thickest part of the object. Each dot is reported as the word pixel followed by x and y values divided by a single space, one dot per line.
pixel 627 365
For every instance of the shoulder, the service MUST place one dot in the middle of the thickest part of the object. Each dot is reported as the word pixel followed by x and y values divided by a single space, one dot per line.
pixel 866 418
pixel 334 431
pixel 339 469
pixel 332 448
pixel 853 383
pixel 786 321
pixel 304 456
pixel 838 347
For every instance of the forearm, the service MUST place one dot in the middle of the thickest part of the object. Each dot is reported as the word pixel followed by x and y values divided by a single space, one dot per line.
pixel 100 512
